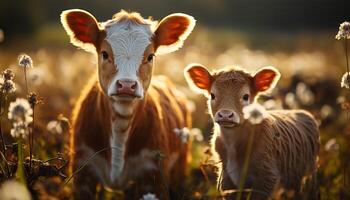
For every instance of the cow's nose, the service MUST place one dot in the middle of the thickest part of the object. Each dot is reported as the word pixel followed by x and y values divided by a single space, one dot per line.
pixel 126 87
pixel 225 115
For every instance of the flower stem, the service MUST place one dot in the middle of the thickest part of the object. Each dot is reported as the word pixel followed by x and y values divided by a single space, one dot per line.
pixel 31 142
pixel 245 164
pixel 20 169
pixel 346 56
pixel 25 79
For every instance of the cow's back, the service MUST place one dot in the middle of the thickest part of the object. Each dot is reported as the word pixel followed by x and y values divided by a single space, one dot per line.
pixel 295 137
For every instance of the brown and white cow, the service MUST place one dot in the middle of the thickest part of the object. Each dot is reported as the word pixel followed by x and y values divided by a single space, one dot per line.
pixel 285 144
pixel 124 115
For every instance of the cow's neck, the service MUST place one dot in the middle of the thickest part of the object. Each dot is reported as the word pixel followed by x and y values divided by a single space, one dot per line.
pixel 122 120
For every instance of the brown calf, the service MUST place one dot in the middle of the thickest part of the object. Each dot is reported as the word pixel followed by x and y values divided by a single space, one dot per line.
pixel 285 144
pixel 123 119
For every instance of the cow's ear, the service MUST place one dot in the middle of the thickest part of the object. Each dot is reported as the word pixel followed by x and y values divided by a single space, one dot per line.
pixel 82 28
pixel 266 79
pixel 172 31
pixel 198 78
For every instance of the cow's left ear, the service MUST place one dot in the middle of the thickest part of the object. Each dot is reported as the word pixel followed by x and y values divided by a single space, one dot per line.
pixel 266 79
pixel 172 31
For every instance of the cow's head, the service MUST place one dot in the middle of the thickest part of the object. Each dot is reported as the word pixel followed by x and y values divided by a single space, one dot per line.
pixel 126 46
pixel 230 89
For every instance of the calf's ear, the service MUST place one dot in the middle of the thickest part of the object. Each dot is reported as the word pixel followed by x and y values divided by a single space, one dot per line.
pixel 198 78
pixel 266 79
pixel 82 28
pixel 172 31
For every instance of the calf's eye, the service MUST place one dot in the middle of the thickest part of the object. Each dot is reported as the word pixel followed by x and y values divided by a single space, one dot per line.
pixel 245 97
pixel 104 55
pixel 150 57
pixel 212 96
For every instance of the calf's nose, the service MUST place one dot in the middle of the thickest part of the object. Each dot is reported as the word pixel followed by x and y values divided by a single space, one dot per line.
pixel 126 87
pixel 225 115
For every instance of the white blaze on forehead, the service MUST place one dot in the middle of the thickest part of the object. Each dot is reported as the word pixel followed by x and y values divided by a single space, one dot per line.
pixel 128 41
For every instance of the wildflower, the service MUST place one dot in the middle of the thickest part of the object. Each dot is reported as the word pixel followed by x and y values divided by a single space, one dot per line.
pixel 345 80
pixel 331 145
pixel 20 111
pixel 8 74
pixel 255 113
pixel 304 94
pixel 290 100
pixel 54 127
pixel 14 190
pixel 149 196
pixel 197 134
pixel 326 111
pixel 8 86
pixel 33 99
pixel 183 133
pixel 25 61
pixel 344 31
pixel 19 130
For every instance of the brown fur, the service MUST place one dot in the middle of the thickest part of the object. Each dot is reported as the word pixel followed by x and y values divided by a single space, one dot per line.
pixel 158 115
pixel 285 143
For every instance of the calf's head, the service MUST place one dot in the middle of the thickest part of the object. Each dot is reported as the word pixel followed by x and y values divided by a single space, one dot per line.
pixel 229 90
pixel 126 46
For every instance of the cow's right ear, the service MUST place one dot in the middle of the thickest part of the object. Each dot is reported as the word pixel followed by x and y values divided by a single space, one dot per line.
pixel 82 28
pixel 199 78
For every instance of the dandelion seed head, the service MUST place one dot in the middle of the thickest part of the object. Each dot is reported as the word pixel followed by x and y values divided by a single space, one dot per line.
pixel 25 61
pixel 149 196
pixel 345 80
pixel 255 113
pixel 19 130
pixel 8 74
pixel 14 190
pixel 20 111
pixel 344 31
pixel 33 99
pixel 8 86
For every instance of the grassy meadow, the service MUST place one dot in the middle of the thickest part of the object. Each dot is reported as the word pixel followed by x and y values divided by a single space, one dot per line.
pixel 311 65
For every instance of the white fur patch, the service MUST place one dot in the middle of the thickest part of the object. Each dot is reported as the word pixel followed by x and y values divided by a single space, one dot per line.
pixel 118 144
pixel 128 41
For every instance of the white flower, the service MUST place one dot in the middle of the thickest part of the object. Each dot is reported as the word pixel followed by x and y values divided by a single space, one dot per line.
pixel 13 190
pixel 345 80
pixel 183 133
pixel 149 196
pixel 20 129
pixel 290 100
pixel 54 127
pixel 344 31
pixel 255 113
pixel 25 61
pixel 8 86
pixel 304 94
pixel 326 111
pixel 331 145
pixel 196 133
pixel 20 111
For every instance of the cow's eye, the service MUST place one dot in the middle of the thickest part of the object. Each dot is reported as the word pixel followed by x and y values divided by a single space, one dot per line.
pixel 212 96
pixel 245 97
pixel 104 55
pixel 150 57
